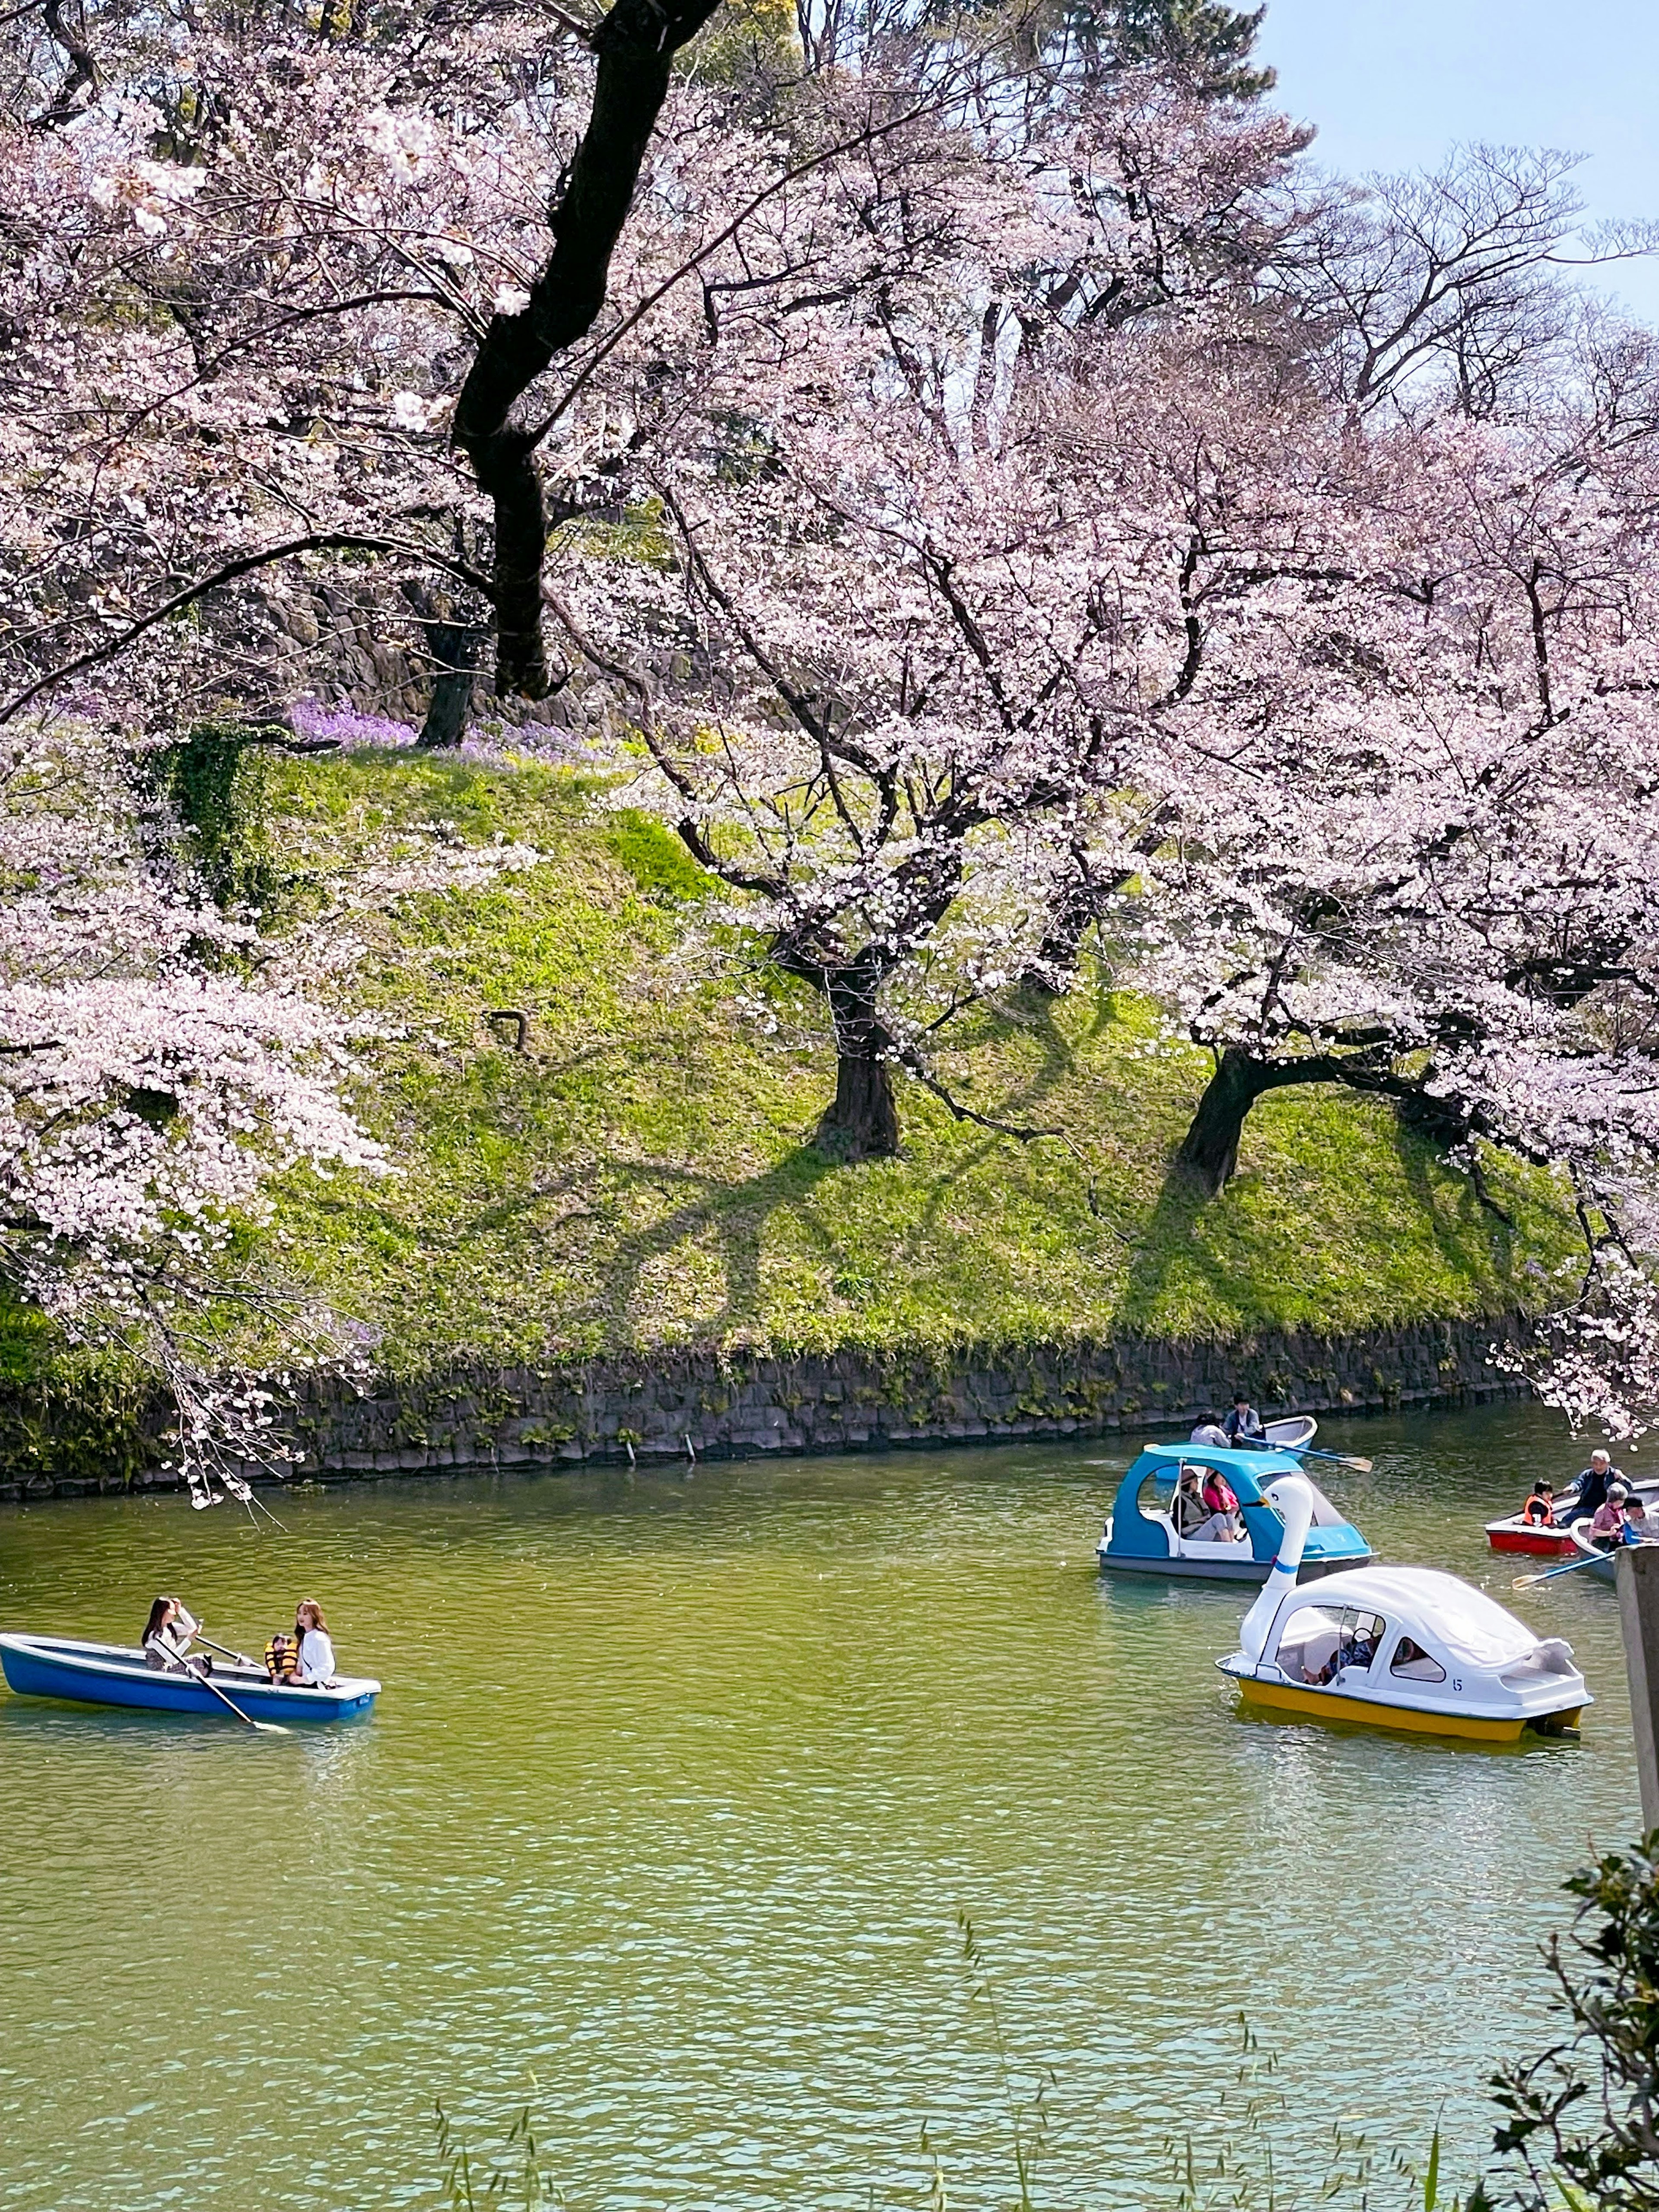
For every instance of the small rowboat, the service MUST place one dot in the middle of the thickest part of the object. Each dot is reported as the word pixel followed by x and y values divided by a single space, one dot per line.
pixel 1291 1434
pixel 115 1674
pixel 1513 1534
pixel 1402 1648
pixel 1594 1560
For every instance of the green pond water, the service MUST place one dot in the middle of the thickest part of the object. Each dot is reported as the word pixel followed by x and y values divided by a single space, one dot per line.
pixel 670 1803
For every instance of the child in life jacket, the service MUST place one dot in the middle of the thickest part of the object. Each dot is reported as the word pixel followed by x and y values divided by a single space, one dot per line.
pixel 1539 1512
pixel 282 1657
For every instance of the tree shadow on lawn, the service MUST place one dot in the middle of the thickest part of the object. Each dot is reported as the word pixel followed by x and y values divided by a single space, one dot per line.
pixel 1059 1058
pixel 736 1214
pixel 1475 1239
pixel 1239 1262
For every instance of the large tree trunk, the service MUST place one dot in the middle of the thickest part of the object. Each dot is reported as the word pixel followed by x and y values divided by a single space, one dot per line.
pixel 636 43
pixel 455 649
pixel 862 1121
pixel 1209 1150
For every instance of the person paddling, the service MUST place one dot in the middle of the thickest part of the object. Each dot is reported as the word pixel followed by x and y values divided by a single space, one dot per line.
pixel 316 1667
pixel 1243 1424
pixel 1594 1484
pixel 168 1634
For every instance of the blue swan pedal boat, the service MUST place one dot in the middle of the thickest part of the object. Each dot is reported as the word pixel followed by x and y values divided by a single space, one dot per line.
pixel 116 1675
pixel 1141 1537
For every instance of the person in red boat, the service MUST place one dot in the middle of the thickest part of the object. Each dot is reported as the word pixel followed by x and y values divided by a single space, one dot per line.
pixel 1539 1512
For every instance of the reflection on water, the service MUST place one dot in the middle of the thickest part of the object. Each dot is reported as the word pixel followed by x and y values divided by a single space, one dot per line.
pixel 672 1794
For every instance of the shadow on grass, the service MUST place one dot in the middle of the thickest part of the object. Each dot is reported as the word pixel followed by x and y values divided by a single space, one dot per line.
pixel 1169 1236
pixel 735 1213
pixel 1233 1259
pixel 1476 1238
pixel 1058 1059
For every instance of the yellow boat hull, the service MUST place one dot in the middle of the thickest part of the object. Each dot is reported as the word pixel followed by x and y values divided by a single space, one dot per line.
pixel 1319 1705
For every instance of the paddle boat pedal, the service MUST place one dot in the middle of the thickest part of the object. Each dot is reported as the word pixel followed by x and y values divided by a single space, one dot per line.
pixel 116 1675
pixel 1146 1533
pixel 1406 1648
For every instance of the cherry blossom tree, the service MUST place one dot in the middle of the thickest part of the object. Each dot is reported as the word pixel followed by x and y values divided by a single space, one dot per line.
pixel 148 1086
pixel 916 621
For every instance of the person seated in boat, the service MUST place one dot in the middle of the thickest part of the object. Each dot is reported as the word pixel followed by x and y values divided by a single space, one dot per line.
pixel 1209 1432
pixel 1606 1529
pixel 1187 1509
pixel 1539 1512
pixel 1639 1524
pixel 1357 1648
pixel 1594 1484
pixel 1243 1424
pixel 1220 1500
pixel 1412 1662
pixel 282 1657
pixel 316 1667
pixel 168 1634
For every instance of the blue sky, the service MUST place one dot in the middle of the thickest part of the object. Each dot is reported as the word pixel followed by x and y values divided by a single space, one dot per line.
pixel 1393 84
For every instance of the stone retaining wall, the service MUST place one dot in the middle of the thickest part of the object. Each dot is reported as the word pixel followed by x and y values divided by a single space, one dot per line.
pixel 673 1405
pixel 669 1407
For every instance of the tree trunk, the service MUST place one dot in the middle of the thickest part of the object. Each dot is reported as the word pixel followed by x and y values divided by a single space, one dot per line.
pixel 636 43
pixel 454 646
pixel 1209 1150
pixel 862 1121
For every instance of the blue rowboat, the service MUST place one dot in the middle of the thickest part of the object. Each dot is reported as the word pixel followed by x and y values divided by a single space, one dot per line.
pixel 1141 1537
pixel 115 1674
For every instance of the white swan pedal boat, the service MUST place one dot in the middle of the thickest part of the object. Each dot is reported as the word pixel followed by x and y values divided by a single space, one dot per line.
pixel 116 1675
pixel 1408 1648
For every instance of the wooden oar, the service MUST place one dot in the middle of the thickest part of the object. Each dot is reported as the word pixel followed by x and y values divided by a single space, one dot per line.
pixel 1306 1452
pixel 1526 1581
pixel 225 1652
pixel 1337 1459
pixel 262 1728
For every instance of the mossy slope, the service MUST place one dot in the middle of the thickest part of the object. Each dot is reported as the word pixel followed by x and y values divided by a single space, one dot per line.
pixel 640 1175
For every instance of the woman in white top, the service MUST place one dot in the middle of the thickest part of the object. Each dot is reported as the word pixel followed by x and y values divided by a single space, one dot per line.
pixel 316 1667
pixel 168 1634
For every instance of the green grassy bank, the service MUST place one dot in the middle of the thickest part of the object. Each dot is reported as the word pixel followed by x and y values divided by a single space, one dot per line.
pixel 639 1174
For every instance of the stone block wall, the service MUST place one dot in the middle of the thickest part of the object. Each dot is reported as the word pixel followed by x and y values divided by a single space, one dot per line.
pixel 670 1407
pixel 676 1406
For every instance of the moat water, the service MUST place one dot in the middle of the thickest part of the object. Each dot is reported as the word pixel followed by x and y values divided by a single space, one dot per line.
pixel 671 1800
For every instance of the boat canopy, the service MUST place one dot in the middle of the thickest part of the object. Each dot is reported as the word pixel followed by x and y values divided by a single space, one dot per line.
pixel 1249 1472
pixel 1252 1475
pixel 1473 1627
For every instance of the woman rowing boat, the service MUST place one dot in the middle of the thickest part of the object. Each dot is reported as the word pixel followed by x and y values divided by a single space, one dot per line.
pixel 168 1634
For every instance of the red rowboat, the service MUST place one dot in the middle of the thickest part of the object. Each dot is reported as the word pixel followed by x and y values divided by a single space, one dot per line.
pixel 1515 1535
pixel 1512 1533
